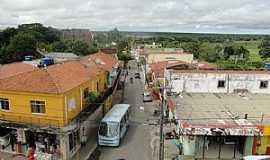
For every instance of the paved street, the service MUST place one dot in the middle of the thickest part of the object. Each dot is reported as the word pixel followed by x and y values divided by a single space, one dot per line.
pixel 137 142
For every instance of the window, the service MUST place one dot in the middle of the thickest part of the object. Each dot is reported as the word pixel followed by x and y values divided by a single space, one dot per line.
pixel 121 124
pixel 221 84
pixel 37 106
pixel 85 92
pixel 264 84
pixel 4 104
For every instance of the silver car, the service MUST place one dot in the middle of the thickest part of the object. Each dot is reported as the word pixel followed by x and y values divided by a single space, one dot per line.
pixel 147 97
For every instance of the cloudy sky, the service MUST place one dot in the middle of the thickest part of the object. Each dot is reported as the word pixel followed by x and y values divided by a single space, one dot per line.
pixel 218 16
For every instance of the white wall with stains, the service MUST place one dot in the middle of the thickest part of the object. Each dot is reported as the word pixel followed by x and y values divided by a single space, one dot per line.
pixel 208 82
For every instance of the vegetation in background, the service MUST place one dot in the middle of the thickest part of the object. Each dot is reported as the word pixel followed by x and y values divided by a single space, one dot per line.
pixel 92 97
pixel 265 49
pixel 115 39
pixel 15 43
pixel 227 51
pixel 77 47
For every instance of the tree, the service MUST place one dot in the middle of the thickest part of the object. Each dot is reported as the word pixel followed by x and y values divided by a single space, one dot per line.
pixel 241 53
pixel 80 48
pixel 93 47
pixel 192 47
pixel 49 34
pixel 92 97
pixel 228 51
pixel 59 46
pixel 6 35
pixel 20 45
pixel 265 49
pixel 23 43
pixel 209 52
pixel 124 56
pixel 123 46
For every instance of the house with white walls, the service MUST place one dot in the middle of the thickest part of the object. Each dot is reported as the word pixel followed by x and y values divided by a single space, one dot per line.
pixel 217 81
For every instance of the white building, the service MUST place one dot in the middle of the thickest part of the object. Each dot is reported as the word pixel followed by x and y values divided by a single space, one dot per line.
pixel 217 81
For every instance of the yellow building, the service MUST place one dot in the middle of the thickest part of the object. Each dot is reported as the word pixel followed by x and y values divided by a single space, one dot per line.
pixel 45 104
pixel 55 106
pixel 49 97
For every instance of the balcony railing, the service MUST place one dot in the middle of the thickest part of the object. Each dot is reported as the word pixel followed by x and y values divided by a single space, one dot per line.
pixel 93 106
pixel 16 119
pixel 26 120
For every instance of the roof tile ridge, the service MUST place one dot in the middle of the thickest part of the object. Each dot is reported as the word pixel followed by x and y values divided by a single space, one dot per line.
pixel 59 88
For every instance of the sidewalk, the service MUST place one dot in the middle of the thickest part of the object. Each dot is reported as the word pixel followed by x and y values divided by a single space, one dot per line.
pixel 170 149
pixel 8 156
pixel 85 151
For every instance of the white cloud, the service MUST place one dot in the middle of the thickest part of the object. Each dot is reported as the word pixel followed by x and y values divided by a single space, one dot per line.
pixel 150 15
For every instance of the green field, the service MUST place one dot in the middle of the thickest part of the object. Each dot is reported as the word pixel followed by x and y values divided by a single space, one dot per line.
pixel 253 48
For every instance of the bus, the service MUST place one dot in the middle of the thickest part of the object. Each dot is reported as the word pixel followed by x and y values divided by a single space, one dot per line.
pixel 256 158
pixel 114 125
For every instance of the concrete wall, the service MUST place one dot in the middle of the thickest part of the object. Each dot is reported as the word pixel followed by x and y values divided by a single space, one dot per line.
pixel 208 82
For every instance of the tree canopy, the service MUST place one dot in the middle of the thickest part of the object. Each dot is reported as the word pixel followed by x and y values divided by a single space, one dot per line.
pixel 265 49
pixel 15 43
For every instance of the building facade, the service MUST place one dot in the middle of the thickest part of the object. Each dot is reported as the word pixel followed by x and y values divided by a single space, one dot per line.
pixel 205 81
pixel 220 113
pixel 49 108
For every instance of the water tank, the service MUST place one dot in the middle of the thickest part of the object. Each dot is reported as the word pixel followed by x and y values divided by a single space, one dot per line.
pixel 267 66
pixel 47 61
pixel 28 58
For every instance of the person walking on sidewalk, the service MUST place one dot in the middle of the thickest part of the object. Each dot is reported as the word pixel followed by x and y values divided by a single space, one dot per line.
pixel 31 154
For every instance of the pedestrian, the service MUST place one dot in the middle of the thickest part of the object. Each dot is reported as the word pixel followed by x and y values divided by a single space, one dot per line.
pixel 12 142
pixel 31 154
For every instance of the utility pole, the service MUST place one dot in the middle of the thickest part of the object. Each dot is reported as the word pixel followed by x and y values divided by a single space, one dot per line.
pixel 161 144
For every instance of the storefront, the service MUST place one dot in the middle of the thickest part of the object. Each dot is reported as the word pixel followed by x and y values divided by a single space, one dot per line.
pixel 8 140
pixel 219 143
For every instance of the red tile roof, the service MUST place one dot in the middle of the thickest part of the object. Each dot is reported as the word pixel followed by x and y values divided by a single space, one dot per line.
pixel 101 60
pixel 168 64
pixel 206 65
pixel 57 78
pixel 12 69
pixel 159 67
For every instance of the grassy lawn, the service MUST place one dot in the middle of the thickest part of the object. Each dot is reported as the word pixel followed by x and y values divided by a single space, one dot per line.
pixel 252 46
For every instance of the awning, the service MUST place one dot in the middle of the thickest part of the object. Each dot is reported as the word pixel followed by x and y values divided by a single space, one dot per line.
pixel 224 130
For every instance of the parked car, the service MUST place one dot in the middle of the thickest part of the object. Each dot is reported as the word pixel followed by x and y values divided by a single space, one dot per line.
pixel 147 96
